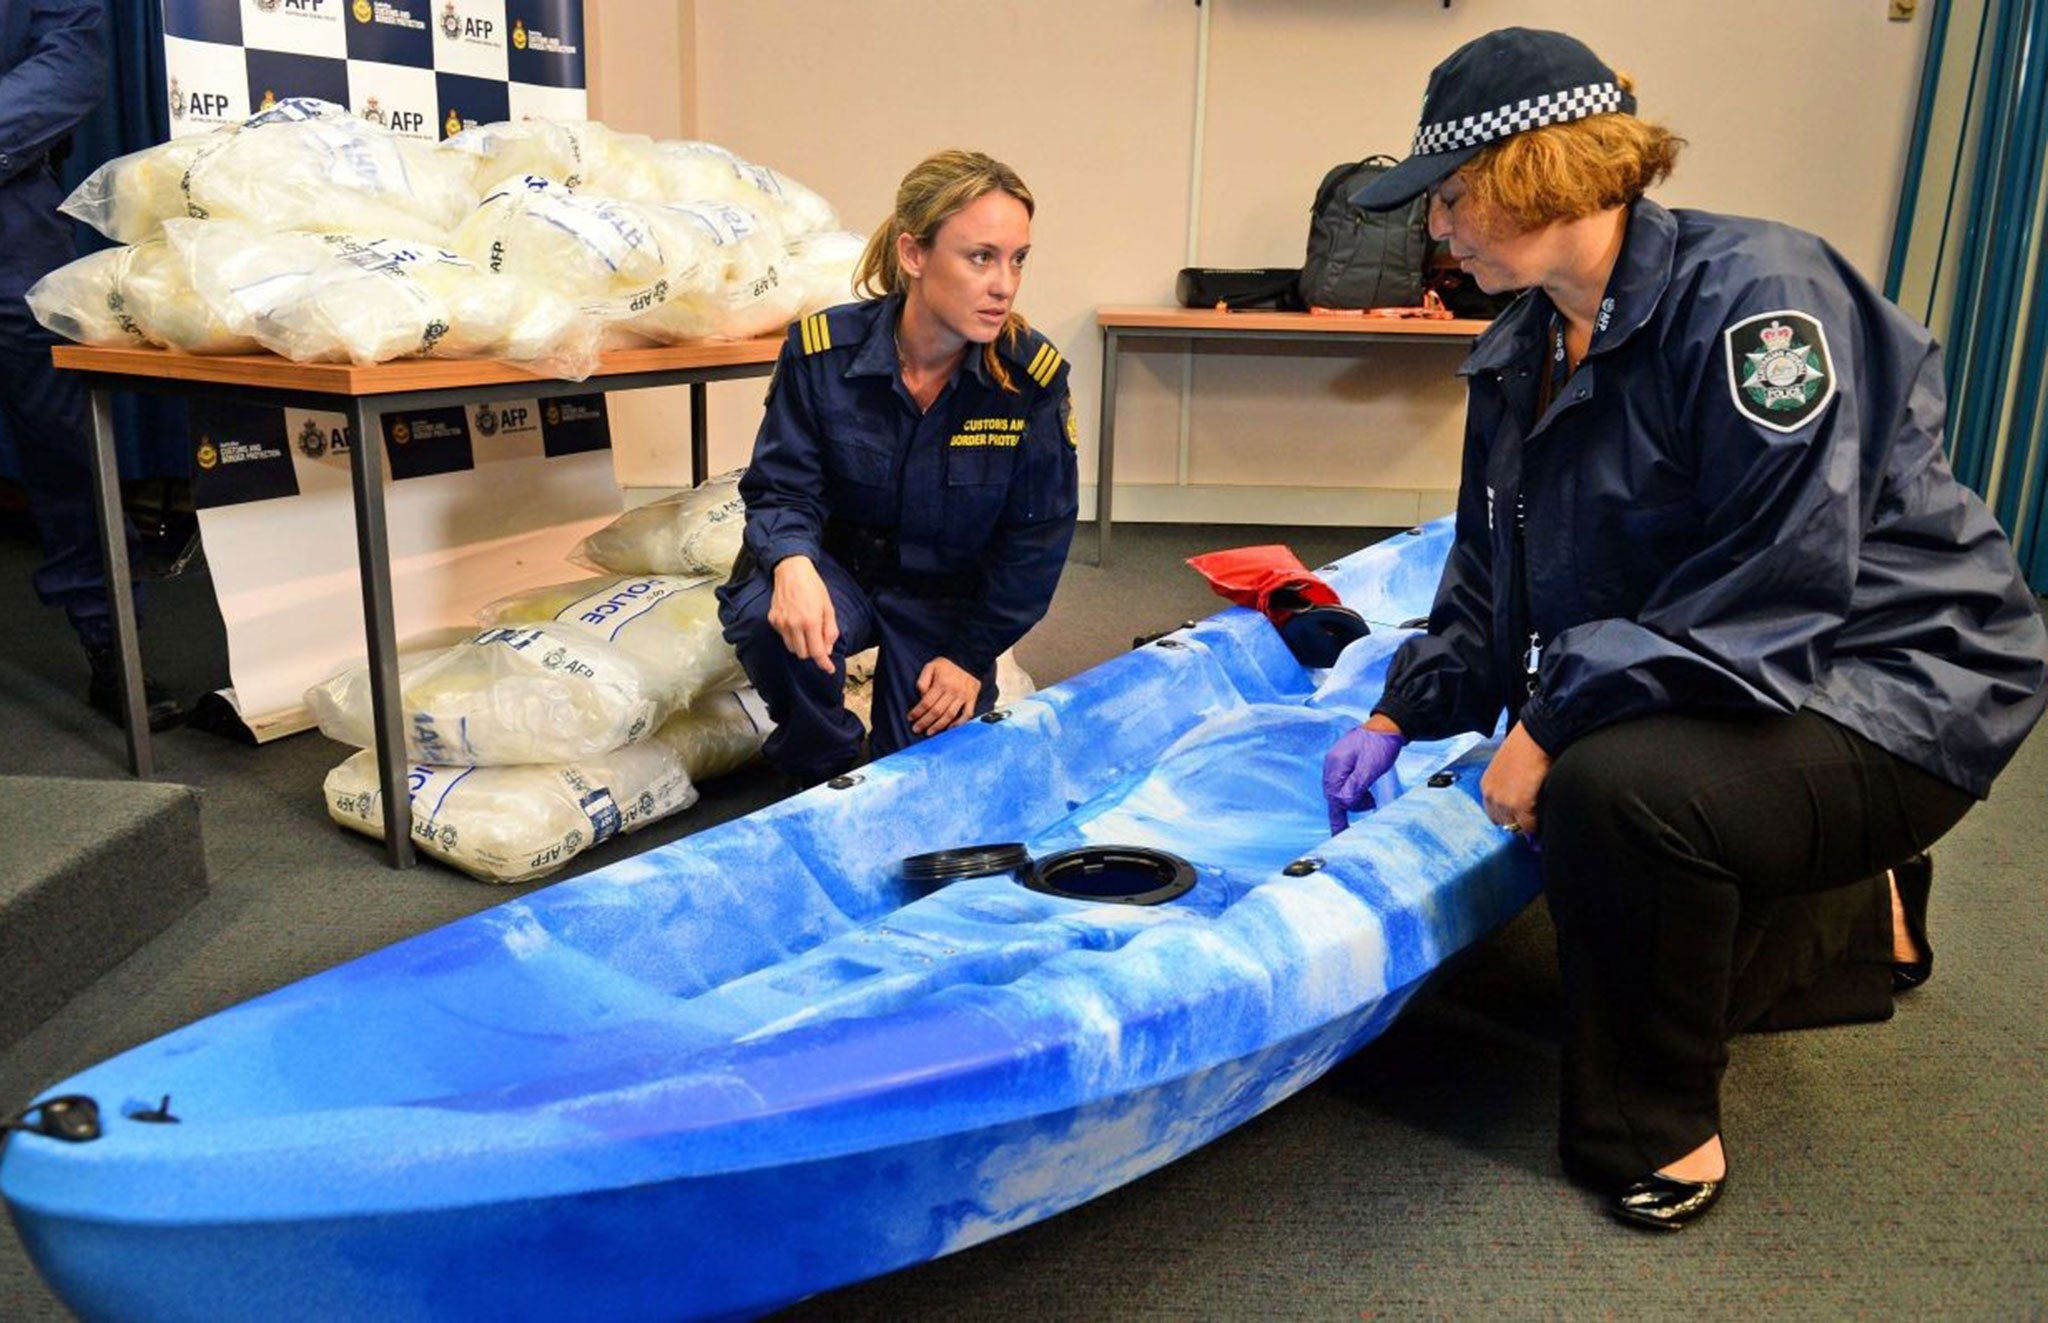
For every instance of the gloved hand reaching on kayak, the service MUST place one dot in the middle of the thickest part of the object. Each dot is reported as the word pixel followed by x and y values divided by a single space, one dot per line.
pixel 1353 763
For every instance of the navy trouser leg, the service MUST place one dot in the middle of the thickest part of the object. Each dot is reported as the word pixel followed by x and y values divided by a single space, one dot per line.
pixel 48 413
pixel 1702 873
pixel 909 632
pixel 815 737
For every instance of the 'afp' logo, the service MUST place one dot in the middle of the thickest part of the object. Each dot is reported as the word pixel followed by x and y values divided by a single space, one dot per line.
pixel 177 100
pixel 267 6
pixel 457 27
pixel 312 439
pixel 486 420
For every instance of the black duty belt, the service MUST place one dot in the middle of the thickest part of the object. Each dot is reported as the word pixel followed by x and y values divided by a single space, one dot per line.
pixel 938 585
pixel 870 556
pixel 53 160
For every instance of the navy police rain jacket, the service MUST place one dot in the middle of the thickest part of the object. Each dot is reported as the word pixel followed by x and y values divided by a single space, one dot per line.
pixel 1738 504
pixel 979 491
pixel 53 71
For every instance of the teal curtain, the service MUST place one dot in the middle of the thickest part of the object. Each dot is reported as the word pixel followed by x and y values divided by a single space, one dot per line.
pixel 1969 256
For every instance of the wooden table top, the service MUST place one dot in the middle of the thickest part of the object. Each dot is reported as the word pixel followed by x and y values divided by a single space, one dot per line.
pixel 1137 318
pixel 398 375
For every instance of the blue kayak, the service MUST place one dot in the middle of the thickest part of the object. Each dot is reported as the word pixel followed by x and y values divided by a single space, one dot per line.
pixel 759 1062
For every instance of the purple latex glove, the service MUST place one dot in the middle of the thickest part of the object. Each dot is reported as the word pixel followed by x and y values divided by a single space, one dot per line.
pixel 1351 766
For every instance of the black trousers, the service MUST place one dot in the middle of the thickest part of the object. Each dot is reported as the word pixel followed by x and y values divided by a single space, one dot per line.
pixel 1706 877
pixel 815 737
pixel 49 414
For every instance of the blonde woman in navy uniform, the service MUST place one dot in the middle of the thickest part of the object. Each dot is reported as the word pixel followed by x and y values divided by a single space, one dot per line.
pixel 913 483
pixel 1757 648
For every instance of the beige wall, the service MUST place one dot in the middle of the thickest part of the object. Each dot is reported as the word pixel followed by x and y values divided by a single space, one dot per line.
pixel 1803 118
pixel 643 80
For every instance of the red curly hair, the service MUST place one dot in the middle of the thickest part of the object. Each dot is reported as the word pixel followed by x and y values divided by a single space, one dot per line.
pixel 1563 172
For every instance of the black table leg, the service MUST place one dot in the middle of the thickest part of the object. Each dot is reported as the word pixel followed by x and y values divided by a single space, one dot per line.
pixel 373 550
pixel 106 485
pixel 1105 451
pixel 700 434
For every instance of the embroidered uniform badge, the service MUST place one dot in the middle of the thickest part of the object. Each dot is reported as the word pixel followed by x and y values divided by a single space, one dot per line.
pixel 1779 373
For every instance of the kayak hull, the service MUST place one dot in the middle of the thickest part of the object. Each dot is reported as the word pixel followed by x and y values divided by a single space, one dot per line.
pixel 756 1063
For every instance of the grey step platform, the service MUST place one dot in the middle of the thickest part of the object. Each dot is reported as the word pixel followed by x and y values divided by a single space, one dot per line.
pixel 89 871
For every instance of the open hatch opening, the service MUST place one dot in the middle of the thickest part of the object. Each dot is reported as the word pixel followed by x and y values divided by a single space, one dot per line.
pixel 1113 874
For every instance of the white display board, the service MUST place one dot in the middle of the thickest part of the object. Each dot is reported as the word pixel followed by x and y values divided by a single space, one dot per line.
pixel 483 501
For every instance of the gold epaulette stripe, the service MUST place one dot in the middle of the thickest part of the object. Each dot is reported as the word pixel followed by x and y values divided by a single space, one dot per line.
pixel 817 332
pixel 1043 365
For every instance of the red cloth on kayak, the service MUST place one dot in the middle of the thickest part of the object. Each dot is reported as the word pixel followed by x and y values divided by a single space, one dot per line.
pixel 1270 579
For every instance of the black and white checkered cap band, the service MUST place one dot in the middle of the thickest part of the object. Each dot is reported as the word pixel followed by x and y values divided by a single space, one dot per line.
pixel 1531 113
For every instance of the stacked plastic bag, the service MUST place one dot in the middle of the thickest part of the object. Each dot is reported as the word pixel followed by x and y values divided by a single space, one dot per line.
pixel 133 297
pixel 668 626
pixel 304 164
pixel 327 238
pixel 582 709
pixel 695 532
pixel 516 823
pixel 579 711
pixel 538 694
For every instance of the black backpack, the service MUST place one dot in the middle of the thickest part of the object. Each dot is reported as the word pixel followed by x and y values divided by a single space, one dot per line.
pixel 1234 288
pixel 1359 258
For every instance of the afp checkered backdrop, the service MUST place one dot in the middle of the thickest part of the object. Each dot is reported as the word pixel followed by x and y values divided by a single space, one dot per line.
pixel 423 68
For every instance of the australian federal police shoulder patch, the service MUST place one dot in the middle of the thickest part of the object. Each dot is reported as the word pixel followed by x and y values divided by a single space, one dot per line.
pixel 1779 372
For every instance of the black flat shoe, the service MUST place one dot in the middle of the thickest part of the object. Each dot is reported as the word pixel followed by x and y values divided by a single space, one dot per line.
pixel 1665 1203
pixel 160 711
pixel 1914 879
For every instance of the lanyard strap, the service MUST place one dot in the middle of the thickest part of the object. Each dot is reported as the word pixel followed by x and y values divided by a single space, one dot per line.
pixel 1550 380
pixel 1555 371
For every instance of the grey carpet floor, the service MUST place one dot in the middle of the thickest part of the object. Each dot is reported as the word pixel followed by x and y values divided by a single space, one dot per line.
pixel 1890 1170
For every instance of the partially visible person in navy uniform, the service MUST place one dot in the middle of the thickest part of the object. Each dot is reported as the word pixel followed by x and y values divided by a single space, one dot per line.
pixel 53 72
pixel 1756 647
pixel 913 484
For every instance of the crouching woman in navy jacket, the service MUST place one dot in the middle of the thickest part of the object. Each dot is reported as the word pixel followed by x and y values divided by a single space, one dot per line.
pixel 1756 647
pixel 913 483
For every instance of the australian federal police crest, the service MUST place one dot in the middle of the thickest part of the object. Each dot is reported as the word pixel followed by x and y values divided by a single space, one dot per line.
pixel 1779 373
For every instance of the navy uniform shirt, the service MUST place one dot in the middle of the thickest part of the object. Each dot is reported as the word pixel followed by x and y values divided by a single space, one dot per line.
pixel 1737 504
pixel 53 71
pixel 979 491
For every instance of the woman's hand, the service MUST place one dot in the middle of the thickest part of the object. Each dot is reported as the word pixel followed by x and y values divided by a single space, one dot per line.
pixel 948 697
pixel 1359 758
pixel 801 612
pixel 1508 788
